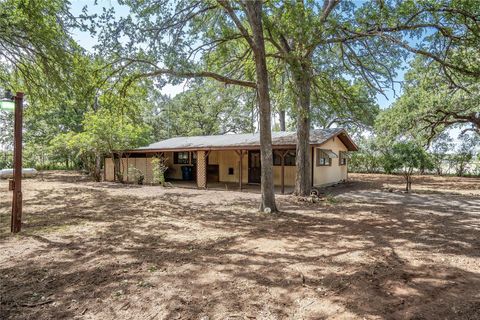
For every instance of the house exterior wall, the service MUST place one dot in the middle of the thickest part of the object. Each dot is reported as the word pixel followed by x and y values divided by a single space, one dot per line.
pixel 213 157
pixel 324 175
pixel 290 174
pixel 230 159
pixel 225 159
pixel 108 170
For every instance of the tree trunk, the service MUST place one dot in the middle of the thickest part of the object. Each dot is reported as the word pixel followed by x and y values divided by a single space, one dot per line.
pixel 117 167
pixel 254 13
pixel 98 165
pixel 408 187
pixel 281 118
pixel 303 180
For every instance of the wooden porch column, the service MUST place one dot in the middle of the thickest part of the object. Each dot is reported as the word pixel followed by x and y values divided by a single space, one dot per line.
pixel 282 157
pixel 201 169
pixel 206 168
pixel 127 155
pixel 240 170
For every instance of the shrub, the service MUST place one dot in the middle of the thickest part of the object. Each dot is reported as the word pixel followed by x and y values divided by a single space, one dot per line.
pixel 136 175
pixel 159 167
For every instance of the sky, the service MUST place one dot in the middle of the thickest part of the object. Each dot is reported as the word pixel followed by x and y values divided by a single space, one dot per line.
pixel 87 42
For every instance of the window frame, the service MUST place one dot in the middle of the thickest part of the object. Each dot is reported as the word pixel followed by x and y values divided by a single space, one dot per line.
pixel 328 163
pixel 342 156
pixel 176 158
pixel 193 157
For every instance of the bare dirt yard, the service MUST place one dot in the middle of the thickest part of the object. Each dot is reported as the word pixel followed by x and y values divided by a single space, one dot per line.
pixel 109 251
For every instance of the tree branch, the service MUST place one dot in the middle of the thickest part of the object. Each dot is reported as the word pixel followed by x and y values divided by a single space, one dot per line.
pixel 191 74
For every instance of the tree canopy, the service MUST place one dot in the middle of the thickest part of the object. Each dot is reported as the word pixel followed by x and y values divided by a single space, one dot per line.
pixel 431 103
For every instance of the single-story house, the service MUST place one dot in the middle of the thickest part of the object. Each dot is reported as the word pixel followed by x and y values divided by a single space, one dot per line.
pixel 235 158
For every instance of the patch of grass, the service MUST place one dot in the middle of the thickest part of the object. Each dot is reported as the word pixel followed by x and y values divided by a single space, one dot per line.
pixel 145 284
pixel 118 293
pixel 152 269
pixel 331 200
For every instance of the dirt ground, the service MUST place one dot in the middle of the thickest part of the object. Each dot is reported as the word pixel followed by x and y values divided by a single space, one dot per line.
pixel 109 251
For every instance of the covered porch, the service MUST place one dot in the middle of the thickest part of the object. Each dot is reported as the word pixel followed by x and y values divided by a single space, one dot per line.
pixel 225 169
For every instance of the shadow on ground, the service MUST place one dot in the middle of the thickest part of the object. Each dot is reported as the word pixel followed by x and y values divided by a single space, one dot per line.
pixel 94 253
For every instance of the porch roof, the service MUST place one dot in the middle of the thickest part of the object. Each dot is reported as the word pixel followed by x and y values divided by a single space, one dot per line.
pixel 246 140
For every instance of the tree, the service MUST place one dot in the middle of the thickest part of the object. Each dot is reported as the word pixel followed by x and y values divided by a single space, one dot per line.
pixel 439 152
pixel 350 106
pixel 407 157
pixel 206 108
pixel 107 132
pixel 35 36
pixel 323 42
pixel 430 104
pixel 368 159
pixel 464 154
pixel 177 42
pixel 316 46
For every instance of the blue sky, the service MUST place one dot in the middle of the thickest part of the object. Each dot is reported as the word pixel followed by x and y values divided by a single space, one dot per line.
pixel 87 42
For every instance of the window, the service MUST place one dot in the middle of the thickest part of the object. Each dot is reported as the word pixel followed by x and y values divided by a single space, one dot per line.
pixel 323 158
pixel 230 171
pixel 343 158
pixel 193 157
pixel 180 158
pixel 289 158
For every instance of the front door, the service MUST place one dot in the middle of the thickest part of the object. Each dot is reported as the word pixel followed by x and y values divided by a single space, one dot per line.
pixel 254 169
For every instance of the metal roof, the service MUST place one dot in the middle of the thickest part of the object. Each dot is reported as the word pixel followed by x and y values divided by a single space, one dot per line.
pixel 317 136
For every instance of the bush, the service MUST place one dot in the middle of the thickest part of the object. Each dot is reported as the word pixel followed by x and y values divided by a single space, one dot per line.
pixel 136 175
pixel 159 167
pixel 6 160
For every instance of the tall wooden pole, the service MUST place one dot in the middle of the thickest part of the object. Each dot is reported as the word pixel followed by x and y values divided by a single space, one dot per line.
pixel 16 224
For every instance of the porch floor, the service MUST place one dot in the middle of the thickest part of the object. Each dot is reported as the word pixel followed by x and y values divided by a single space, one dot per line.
pixel 232 186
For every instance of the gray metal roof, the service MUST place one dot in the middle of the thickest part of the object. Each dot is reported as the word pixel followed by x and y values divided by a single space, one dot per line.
pixel 317 136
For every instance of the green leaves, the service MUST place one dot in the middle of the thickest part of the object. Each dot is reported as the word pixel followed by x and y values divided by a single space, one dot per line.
pixel 207 108
pixel 432 102
pixel 407 156
pixel 36 33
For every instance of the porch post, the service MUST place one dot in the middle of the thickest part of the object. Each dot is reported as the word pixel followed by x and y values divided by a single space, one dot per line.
pixel 240 170
pixel 127 155
pixel 282 157
pixel 207 153
pixel 201 169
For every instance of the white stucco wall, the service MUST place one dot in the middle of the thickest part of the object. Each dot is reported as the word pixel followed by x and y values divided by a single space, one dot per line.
pixel 324 175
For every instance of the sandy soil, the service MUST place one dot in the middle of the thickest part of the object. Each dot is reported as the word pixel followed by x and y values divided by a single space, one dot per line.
pixel 108 251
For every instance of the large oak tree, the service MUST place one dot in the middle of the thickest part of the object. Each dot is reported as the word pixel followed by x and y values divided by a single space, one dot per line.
pixel 191 39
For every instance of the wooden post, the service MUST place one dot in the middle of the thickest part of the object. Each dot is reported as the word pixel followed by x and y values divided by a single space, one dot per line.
pixel 201 169
pixel 16 223
pixel 127 155
pixel 282 157
pixel 240 170
pixel 207 153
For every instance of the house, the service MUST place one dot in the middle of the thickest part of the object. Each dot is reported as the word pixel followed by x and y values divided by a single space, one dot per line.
pixel 235 158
